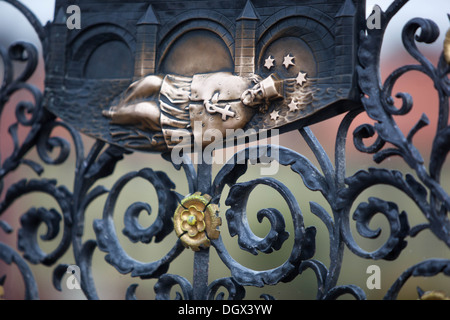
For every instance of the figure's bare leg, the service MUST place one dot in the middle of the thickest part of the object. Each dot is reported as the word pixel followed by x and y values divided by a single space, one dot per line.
pixel 149 113
pixel 144 114
pixel 143 88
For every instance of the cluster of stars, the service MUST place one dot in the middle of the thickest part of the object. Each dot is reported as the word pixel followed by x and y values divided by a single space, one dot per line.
pixel 287 62
pixel 274 115
pixel 301 78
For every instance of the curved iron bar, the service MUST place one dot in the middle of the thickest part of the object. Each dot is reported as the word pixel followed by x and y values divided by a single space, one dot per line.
pixel 377 95
pixel 340 191
pixel 106 234
pixel 235 290
pixel 32 19
pixel 9 255
pixel 427 268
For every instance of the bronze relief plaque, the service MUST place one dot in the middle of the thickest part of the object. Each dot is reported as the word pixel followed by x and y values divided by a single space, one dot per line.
pixel 144 74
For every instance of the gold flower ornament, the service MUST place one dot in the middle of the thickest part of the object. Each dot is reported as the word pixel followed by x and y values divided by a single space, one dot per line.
pixel 195 221
pixel 434 295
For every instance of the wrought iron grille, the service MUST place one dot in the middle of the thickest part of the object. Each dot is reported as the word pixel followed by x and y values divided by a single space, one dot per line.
pixel 40 141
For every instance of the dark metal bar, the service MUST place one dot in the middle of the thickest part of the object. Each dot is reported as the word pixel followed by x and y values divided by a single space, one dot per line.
pixel 201 258
pixel 201 269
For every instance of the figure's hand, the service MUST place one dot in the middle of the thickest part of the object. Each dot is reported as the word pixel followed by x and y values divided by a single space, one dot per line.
pixel 210 105
pixel 255 78
pixel 225 112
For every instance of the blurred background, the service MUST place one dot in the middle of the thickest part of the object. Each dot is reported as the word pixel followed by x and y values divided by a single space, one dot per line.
pixel 112 285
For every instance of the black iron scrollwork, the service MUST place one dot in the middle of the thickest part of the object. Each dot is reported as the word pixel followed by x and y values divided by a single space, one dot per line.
pixel 379 106
pixel 339 190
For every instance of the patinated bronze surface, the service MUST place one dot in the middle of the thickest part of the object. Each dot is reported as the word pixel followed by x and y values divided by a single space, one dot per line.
pixel 217 101
pixel 145 78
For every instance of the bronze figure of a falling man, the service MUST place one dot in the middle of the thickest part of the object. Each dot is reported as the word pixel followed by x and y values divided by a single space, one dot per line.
pixel 168 104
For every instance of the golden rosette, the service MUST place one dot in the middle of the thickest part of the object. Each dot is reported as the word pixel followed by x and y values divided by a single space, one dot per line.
pixel 195 221
pixel 434 295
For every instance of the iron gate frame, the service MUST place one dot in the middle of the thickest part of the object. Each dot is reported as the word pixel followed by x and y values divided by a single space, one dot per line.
pixel 339 190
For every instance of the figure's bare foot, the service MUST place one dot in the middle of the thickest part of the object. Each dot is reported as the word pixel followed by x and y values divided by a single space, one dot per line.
pixel 121 115
pixel 108 113
pixel 145 115
pixel 116 114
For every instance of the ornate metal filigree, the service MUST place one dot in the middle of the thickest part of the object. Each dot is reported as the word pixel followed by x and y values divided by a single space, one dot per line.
pixel 193 217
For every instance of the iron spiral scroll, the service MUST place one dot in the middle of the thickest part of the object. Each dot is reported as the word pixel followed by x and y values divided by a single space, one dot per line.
pixel 329 179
